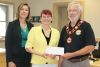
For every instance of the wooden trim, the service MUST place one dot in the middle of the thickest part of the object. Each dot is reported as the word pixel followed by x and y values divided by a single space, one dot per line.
pixel 2 60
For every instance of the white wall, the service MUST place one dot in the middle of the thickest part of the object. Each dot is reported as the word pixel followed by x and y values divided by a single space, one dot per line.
pixel 38 5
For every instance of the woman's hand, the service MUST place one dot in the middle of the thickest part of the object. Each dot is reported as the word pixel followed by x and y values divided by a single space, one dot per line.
pixel 51 56
pixel 45 55
pixel 11 64
pixel 59 65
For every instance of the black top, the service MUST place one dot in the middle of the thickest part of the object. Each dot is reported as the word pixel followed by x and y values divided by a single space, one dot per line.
pixel 14 50
pixel 82 37
pixel 47 38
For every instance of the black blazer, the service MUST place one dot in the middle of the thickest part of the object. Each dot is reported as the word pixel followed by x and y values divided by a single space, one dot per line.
pixel 14 51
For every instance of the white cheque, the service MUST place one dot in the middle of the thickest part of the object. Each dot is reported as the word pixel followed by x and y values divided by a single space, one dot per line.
pixel 55 50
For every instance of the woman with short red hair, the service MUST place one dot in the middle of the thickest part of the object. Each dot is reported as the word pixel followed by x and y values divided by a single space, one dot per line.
pixel 39 38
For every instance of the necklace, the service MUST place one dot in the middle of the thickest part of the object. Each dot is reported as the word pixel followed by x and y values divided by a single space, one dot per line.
pixel 70 32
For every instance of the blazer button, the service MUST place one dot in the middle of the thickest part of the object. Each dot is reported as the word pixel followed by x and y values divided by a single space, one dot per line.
pixel 46 63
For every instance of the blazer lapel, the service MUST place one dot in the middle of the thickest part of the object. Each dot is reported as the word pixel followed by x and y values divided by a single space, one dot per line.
pixel 51 38
pixel 18 29
pixel 42 36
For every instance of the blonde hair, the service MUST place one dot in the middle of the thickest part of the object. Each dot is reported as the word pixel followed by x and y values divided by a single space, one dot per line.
pixel 19 8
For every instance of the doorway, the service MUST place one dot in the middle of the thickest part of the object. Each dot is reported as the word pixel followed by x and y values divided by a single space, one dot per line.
pixel 60 15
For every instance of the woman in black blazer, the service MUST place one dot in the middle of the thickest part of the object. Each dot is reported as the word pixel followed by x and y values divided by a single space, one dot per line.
pixel 16 36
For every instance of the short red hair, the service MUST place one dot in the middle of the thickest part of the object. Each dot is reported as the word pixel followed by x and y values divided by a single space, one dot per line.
pixel 46 12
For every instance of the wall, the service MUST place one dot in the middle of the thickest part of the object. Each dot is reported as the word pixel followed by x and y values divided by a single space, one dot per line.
pixel 92 15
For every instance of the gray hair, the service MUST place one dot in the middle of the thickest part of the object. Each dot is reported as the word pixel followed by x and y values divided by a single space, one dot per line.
pixel 76 4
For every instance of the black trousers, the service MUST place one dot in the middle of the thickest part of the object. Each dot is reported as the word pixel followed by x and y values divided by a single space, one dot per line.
pixel 22 64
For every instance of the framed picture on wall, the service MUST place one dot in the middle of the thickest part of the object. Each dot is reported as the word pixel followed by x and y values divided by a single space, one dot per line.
pixel 35 19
